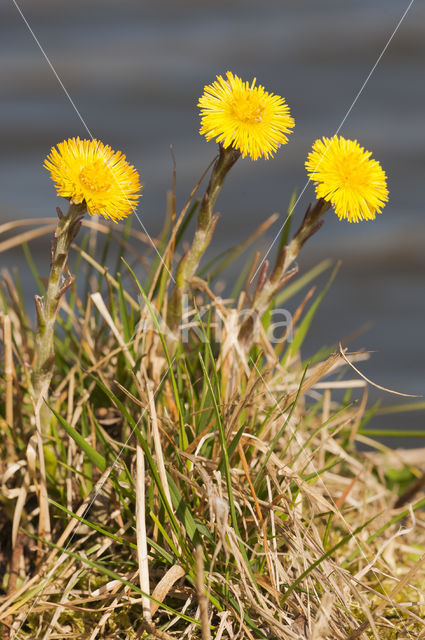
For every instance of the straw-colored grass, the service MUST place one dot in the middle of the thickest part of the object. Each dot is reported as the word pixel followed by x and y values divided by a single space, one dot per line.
pixel 207 488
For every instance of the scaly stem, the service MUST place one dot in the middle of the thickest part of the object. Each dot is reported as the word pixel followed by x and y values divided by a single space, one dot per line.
pixel 204 230
pixel 47 308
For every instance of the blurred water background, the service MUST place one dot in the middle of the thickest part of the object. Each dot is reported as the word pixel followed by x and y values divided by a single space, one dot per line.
pixel 135 71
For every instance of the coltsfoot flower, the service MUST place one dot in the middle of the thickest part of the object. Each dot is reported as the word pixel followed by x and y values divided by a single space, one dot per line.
pixel 348 178
pixel 244 116
pixel 91 172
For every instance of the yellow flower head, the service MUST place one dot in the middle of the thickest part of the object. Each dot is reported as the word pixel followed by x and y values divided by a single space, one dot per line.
pixel 91 172
pixel 348 178
pixel 244 116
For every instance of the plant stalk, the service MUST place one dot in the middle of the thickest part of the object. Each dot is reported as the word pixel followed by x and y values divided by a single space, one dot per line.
pixel 204 230
pixel 47 308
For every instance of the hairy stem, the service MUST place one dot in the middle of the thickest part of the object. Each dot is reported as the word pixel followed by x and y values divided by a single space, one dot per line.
pixel 204 230
pixel 47 308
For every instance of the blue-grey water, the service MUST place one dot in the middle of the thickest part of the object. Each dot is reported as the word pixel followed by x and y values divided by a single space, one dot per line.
pixel 135 70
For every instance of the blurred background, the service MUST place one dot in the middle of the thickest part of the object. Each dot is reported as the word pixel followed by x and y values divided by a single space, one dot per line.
pixel 135 71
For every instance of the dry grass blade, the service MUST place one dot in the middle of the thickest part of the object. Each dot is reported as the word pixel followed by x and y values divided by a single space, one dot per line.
pixel 142 547
pixel 200 589
pixel 110 278
pixel 159 453
pixel 165 584
pixel 378 386
pixel 9 375
pixel 98 301
pixel 27 236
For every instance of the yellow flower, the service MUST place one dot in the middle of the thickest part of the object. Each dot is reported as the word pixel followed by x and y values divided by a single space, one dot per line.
pixel 91 172
pixel 244 116
pixel 348 178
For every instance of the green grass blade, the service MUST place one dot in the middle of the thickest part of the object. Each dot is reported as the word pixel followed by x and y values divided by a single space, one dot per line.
pixel 287 224
pixel 186 221
pixel 183 513
pixel 303 281
pixel 94 456
pixel 302 331
pixel 124 317
pixel 94 526
pixel 392 433
pixel 33 268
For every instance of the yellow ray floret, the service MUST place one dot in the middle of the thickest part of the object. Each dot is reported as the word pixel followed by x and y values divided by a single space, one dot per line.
pixel 348 178
pixel 91 172
pixel 244 116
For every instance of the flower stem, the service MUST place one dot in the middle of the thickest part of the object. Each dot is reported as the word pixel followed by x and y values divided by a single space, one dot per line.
pixel 204 230
pixel 47 308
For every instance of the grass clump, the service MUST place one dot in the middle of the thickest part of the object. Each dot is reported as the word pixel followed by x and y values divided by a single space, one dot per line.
pixel 183 473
